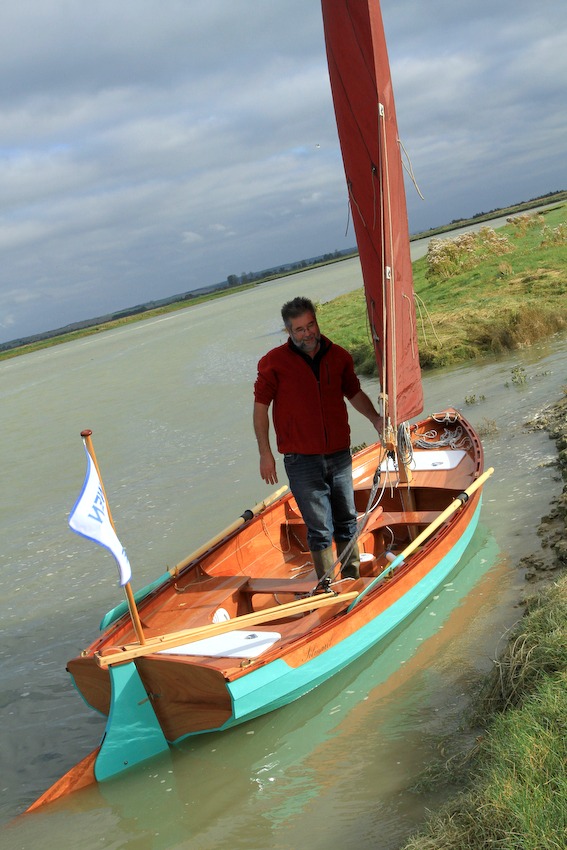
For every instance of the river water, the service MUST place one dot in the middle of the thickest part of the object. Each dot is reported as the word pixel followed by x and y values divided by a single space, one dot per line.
pixel 169 403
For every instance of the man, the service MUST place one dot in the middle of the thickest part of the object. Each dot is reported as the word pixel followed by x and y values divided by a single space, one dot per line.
pixel 307 380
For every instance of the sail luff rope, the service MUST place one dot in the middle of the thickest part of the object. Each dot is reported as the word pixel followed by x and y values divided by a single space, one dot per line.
pixel 373 196
pixel 393 390
pixel 377 174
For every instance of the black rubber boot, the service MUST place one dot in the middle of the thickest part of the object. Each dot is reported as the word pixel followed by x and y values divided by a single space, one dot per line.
pixel 350 568
pixel 324 561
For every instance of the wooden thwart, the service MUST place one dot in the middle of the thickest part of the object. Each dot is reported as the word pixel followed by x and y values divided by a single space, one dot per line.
pixel 281 585
pixel 169 641
pixel 426 533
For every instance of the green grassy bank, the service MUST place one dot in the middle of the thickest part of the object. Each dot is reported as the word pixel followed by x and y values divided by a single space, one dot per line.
pixel 477 294
pixel 513 782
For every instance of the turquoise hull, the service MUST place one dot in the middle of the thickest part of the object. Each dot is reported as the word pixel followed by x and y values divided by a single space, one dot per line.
pixel 133 733
pixel 277 684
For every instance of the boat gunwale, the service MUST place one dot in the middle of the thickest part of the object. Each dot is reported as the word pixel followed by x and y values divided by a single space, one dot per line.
pixel 360 612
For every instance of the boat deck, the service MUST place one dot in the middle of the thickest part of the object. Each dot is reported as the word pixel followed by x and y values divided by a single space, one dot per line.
pixel 267 563
pixel 224 592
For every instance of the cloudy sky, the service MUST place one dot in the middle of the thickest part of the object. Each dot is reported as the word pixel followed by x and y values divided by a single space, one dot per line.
pixel 149 147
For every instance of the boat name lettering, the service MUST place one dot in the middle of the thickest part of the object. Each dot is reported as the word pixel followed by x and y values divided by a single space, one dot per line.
pixel 98 510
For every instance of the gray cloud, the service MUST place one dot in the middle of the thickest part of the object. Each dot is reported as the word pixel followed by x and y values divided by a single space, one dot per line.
pixel 148 147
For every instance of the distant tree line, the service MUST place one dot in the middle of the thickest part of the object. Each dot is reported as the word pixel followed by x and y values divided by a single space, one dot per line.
pixel 231 281
pixel 287 268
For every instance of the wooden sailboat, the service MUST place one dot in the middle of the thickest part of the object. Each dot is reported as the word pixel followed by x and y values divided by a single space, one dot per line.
pixel 243 625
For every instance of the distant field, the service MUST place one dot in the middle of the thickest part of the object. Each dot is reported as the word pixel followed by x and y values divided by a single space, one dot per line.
pixel 439 300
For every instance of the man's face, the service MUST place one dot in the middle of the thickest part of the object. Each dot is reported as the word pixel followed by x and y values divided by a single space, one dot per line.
pixel 304 332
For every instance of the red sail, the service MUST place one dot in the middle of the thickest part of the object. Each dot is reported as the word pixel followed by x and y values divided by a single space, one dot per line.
pixel 366 122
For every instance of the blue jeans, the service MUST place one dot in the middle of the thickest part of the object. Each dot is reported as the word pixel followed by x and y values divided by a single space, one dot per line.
pixel 322 487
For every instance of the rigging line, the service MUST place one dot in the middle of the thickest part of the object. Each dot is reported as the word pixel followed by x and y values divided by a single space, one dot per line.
pixel 409 168
pixel 456 439
pixel 421 303
pixel 384 485
pixel 348 218
pixel 405 447
pixel 271 542
pixel 373 173
pixel 382 364
pixel 376 174
pixel 353 201
pixel 413 334
pixel 418 305
pixel 370 505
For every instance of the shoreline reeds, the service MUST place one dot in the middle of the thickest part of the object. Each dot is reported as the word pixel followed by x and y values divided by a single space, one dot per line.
pixel 512 781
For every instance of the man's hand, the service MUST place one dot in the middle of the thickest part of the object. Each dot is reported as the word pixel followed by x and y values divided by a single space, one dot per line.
pixel 268 468
pixel 362 403
pixel 261 429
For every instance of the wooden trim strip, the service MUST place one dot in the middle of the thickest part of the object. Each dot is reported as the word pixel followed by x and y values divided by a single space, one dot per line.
pixel 119 655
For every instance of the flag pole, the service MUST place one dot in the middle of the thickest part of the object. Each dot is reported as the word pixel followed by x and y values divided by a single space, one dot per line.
pixel 86 435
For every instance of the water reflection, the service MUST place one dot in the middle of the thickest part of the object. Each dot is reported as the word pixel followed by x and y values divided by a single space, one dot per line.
pixel 267 783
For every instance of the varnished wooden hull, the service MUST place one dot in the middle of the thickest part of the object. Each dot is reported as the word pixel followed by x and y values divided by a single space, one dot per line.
pixel 257 566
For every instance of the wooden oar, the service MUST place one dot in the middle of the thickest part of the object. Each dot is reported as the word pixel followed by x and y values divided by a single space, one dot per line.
pixel 174 639
pixel 172 572
pixel 245 517
pixel 427 532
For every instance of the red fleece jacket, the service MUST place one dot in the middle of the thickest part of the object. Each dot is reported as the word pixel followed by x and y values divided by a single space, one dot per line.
pixel 310 416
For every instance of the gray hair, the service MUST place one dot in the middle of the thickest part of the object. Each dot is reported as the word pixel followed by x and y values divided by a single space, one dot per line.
pixel 297 307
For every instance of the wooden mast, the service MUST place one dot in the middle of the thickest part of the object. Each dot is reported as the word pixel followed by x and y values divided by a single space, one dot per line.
pixel 86 435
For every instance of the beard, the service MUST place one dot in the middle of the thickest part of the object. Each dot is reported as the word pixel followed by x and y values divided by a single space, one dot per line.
pixel 306 345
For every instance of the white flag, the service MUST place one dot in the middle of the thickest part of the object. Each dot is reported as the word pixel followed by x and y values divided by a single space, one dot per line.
pixel 90 518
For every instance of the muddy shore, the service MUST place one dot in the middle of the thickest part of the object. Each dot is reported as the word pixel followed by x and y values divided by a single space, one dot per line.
pixel 543 566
